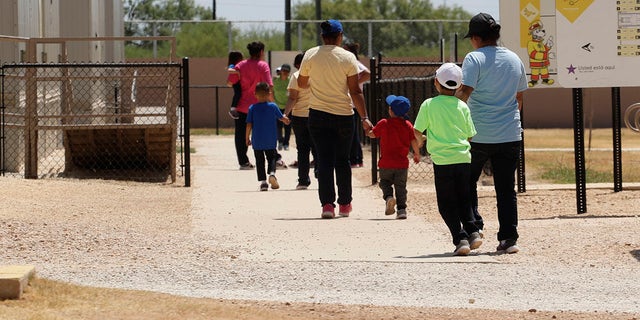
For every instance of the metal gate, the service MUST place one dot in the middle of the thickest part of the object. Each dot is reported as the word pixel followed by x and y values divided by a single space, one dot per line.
pixel 114 121
pixel 412 79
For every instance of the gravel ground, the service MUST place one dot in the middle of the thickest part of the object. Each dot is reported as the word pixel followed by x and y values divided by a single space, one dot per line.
pixel 151 237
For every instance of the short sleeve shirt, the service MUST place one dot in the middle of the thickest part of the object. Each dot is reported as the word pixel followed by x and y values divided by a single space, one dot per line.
pixel 252 72
pixel 301 107
pixel 328 67
pixel 395 136
pixel 496 75
pixel 448 123
pixel 280 92
pixel 264 117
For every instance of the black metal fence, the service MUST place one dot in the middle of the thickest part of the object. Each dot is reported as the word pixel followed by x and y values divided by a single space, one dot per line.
pixel 111 121
pixel 413 80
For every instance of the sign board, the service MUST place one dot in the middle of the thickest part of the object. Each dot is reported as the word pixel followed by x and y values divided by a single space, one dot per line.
pixel 529 30
pixel 574 43
pixel 600 43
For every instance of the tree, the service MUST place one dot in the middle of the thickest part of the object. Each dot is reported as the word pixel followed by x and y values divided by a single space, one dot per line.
pixel 410 37
pixel 149 10
pixel 392 38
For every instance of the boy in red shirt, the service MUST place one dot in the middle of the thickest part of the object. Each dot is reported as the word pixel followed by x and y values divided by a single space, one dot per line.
pixel 396 136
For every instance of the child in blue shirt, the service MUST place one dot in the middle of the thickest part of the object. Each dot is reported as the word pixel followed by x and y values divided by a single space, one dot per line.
pixel 262 135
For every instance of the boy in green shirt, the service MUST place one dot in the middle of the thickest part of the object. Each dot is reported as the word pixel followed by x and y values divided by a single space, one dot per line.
pixel 280 95
pixel 449 127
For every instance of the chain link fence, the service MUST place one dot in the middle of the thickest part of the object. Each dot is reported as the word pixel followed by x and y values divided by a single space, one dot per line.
pixel 112 121
pixel 413 80
pixel 393 38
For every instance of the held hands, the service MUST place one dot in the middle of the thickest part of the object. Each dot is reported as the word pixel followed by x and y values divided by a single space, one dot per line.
pixel 366 125
pixel 248 141
pixel 416 157
pixel 285 120
pixel 421 140
pixel 370 134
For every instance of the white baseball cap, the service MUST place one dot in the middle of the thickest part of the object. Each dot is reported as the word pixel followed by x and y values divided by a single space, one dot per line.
pixel 449 75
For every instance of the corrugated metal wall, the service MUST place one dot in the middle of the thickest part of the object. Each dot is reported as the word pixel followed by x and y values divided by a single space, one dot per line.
pixel 63 19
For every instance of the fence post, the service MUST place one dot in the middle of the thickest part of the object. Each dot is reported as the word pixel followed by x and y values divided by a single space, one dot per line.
pixel 372 106
pixel 578 143
pixel 31 113
pixel 187 124
pixel 617 137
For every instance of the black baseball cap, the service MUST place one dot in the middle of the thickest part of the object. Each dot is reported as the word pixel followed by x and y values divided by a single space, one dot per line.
pixel 480 25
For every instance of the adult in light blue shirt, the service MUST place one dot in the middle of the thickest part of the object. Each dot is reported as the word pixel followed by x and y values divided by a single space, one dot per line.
pixel 493 83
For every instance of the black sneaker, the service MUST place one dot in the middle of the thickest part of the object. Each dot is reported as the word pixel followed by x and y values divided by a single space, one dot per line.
pixel 264 186
pixel 233 113
pixel 475 240
pixel 280 164
pixel 508 246
pixel 462 249
pixel 247 166
pixel 402 214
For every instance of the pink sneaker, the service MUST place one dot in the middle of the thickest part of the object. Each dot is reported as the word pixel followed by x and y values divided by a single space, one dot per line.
pixel 345 209
pixel 328 211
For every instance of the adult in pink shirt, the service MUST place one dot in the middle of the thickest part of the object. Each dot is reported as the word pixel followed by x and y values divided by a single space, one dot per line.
pixel 252 71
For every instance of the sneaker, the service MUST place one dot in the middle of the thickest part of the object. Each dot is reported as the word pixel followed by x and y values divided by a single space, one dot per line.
pixel 481 233
pixel 264 186
pixel 391 206
pixel 280 164
pixel 233 113
pixel 286 147
pixel 345 209
pixel 402 214
pixel 475 240
pixel 294 164
pixel 301 186
pixel 508 246
pixel 328 211
pixel 247 166
pixel 280 146
pixel 462 248
pixel 357 165
pixel 273 181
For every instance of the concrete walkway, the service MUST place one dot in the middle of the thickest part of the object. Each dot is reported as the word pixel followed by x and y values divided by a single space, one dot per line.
pixel 285 224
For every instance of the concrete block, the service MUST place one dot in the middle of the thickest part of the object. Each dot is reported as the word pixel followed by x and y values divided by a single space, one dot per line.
pixel 13 280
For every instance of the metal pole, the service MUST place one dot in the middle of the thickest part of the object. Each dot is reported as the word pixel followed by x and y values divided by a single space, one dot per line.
pixel 372 106
pixel 455 47
pixel 229 35
pixel 578 143
pixel 187 123
pixel 217 111
pixel 617 137
pixel 318 17
pixel 521 176
pixel 370 38
pixel 300 36
pixel 287 25
pixel 155 42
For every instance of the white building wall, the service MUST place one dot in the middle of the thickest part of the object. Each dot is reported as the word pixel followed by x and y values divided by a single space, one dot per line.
pixel 63 19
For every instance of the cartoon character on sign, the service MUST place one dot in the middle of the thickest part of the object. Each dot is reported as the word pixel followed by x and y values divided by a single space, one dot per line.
pixel 539 52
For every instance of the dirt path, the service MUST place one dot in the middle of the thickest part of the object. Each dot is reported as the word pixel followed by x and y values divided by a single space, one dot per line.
pixel 223 238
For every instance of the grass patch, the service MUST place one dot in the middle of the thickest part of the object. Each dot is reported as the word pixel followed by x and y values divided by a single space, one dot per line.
pixel 567 175
pixel 559 167
pixel 191 150
pixel 211 131
pixel 52 300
